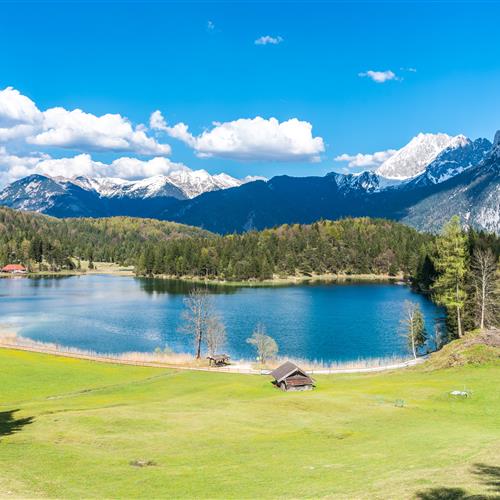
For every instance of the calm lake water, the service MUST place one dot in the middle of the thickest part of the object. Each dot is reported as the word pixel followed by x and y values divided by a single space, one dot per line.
pixel 336 322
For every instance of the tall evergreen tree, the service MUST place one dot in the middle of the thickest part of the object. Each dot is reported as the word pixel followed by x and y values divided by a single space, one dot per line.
pixel 451 265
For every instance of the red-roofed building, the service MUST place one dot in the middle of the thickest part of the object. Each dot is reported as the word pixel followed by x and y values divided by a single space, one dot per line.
pixel 14 268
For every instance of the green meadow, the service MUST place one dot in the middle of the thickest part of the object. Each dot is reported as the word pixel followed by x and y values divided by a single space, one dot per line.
pixel 72 428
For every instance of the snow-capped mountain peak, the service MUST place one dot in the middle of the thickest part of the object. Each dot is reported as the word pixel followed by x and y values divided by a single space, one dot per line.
pixel 412 159
pixel 496 140
pixel 495 150
pixel 41 192
pixel 180 184
pixel 34 193
pixel 105 186
pixel 195 182
pixel 453 161
pixel 367 181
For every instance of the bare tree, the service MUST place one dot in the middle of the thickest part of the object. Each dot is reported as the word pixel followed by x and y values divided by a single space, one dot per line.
pixel 413 326
pixel 265 345
pixel 199 317
pixel 484 275
pixel 215 335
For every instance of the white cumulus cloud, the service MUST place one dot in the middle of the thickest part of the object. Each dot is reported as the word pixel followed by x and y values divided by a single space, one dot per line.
pixel 178 131
pixel 21 120
pixel 69 167
pixel 19 115
pixel 85 131
pixel 366 161
pixel 16 108
pixel 15 167
pixel 379 76
pixel 16 132
pixel 156 121
pixel 133 168
pixel 257 139
pixel 268 40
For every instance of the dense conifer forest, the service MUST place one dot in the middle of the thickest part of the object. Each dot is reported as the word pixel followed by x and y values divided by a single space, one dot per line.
pixel 31 239
pixel 348 246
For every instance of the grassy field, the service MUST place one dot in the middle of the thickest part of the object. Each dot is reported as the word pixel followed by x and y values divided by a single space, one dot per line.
pixel 72 428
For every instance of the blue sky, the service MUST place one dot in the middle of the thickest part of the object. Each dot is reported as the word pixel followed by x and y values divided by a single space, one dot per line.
pixel 198 63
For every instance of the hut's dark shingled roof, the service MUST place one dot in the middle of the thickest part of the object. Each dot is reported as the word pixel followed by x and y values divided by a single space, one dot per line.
pixel 285 370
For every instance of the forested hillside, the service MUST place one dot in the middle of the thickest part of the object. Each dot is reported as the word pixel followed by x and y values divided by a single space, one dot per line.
pixel 348 246
pixel 29 238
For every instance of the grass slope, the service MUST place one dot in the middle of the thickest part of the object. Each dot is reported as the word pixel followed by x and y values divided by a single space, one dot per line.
pixel 477 347
pixel 70 428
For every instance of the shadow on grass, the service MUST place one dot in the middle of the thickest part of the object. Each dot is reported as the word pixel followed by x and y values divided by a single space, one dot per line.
pixel 489 476
pixel 448 494
pixel 9 424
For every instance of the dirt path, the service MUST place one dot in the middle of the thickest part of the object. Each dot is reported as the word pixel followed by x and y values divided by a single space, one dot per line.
pixel 235 368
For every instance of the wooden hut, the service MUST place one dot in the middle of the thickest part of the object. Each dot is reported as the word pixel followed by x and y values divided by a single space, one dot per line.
pixel 218 360
pixel 289 377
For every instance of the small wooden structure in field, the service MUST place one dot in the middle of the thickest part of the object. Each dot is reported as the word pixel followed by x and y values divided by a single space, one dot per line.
pixel 218 360
pixel 289 377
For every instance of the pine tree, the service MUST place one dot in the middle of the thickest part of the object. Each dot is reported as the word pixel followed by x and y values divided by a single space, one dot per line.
pixel 451 265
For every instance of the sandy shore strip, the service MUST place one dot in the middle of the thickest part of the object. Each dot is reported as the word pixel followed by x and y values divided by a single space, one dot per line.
pixel 106 268
pixel 10 340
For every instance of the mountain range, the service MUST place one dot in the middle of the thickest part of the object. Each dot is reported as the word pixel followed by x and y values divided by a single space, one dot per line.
pixel 104 196
pixel 423 184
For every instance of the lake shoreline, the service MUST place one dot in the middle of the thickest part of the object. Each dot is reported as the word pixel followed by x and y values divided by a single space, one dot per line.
pixel 106 268
pixel 289 280
pixel 11 341
pixel 318 326
pixel 276 281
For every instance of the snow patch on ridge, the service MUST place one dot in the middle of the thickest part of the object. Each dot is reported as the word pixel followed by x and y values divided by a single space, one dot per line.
pixel 179 184
pixel 412 159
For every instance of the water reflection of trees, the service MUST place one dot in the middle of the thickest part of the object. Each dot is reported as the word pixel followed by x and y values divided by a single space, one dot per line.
pixel 179 287
pixel 47 281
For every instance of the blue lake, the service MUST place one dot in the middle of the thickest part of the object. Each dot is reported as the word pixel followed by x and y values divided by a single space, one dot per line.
pixel 329 322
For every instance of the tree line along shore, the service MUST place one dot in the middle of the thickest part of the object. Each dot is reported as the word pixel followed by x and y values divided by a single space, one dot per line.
pixel 457 269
